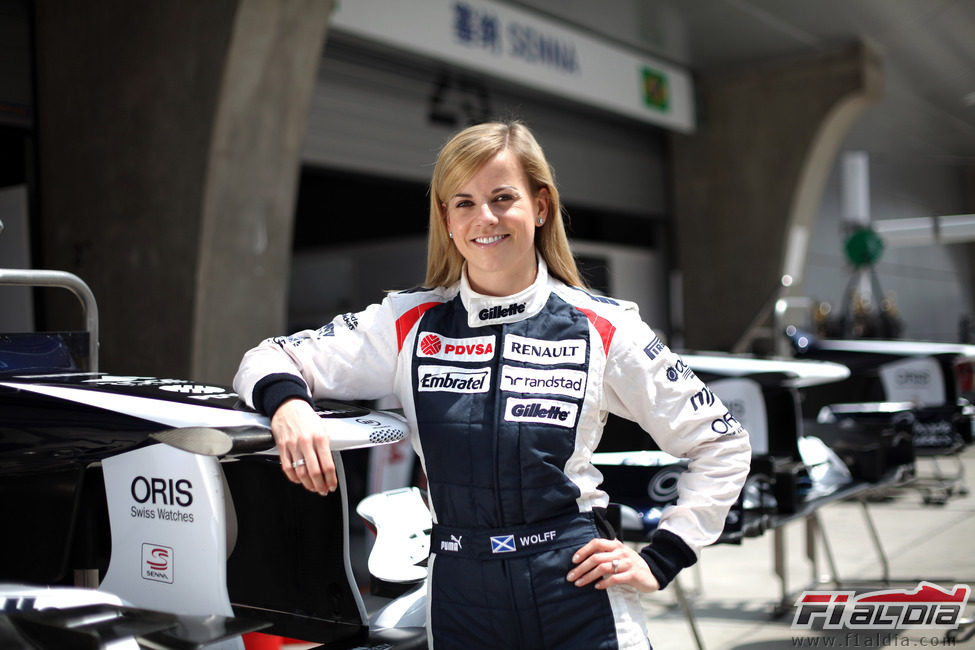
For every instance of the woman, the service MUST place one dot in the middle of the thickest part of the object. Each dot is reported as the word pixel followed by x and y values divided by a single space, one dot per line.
pixel 506 369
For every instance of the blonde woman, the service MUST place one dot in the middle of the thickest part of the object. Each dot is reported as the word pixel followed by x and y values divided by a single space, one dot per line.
pixel 506 368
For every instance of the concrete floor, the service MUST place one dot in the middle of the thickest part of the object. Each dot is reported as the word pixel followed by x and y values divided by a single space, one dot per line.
pixel 735 593
pixel 739 602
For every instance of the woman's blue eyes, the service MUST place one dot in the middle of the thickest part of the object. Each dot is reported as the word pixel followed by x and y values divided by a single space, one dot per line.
pixel 500 198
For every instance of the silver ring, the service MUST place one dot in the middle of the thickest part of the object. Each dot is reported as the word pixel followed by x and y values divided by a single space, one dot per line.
pixel 616 566
pixel 298 463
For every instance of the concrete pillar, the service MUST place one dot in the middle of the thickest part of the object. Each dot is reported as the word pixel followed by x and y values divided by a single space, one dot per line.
pixel 168 160
pixel 747 184
pixel 967 334
pixel 244 257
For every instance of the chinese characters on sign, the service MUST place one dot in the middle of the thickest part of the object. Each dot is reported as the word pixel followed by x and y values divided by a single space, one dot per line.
pixel 479 28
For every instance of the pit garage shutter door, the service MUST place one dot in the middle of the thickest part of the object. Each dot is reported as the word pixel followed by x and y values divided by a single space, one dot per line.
pixel 382 113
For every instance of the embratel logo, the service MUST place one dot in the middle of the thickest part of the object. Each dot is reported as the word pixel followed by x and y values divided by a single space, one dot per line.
pixel 157 563
pixel 926 606
pixel 448 379
pixel 434 346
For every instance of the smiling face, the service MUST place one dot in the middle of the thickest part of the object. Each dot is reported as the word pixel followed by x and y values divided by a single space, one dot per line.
pixel 493 217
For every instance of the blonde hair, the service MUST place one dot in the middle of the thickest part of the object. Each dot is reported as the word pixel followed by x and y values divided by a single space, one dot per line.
pixel 458 161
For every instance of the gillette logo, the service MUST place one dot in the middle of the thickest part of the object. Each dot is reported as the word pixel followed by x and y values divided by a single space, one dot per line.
pixel 541 411
pixel 498 311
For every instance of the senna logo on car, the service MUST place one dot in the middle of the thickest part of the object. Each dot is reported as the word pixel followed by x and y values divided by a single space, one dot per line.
pixel 157 563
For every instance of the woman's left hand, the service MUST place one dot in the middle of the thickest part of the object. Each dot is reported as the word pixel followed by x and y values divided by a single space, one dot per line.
pixel 608 562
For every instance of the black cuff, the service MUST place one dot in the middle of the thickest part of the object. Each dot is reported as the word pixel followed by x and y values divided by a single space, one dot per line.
pixel 667 554
pixel 271 391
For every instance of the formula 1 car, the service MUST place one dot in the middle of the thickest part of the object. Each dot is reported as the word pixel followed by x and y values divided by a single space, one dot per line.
pixel 936 379
pixel 764 396
pixel 166 495
pixel 896 387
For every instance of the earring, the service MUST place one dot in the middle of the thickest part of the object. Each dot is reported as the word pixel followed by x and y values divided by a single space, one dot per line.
pixel 540 221
pixel 450 234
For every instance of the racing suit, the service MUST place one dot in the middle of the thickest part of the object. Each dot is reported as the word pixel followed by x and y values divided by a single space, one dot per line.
pixel 506 398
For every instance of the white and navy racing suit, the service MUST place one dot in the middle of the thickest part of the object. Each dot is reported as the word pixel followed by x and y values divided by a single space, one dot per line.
pixel 507 398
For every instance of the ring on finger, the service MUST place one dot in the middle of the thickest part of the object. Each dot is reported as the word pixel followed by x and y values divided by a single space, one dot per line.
pixel 616 566
pixel 298 463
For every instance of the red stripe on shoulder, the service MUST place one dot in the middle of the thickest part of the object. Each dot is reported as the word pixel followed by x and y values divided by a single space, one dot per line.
pixel 606 329
pixel 406 322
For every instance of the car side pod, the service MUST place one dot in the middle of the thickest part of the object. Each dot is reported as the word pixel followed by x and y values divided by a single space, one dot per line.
pixel 168 513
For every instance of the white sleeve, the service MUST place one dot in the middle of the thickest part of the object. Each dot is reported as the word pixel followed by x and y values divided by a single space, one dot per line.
pixel 352 357
pixel 648 383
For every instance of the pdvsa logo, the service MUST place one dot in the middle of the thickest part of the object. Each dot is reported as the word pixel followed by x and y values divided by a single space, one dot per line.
pixel 157 563
pixel 475 348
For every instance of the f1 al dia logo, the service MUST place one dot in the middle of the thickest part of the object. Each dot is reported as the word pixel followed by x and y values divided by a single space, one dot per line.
pixel 157 563
pixel 926 606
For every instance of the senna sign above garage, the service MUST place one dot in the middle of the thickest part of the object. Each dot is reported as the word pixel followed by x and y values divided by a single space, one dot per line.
pixel 528 49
